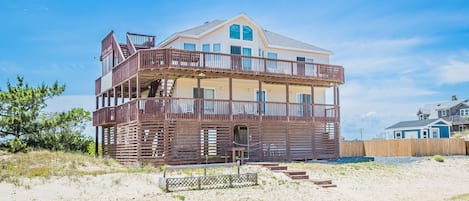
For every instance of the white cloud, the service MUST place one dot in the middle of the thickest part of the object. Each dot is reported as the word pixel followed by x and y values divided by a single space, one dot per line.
pixel 454 72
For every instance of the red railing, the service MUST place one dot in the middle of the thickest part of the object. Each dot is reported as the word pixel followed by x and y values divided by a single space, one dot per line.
pixel 125 70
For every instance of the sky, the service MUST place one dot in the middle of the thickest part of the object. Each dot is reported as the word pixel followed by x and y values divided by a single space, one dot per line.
pixel 397 55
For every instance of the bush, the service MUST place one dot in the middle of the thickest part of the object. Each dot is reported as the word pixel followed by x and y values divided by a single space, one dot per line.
pixel 73 142
pixel 16 145
pixel 438 158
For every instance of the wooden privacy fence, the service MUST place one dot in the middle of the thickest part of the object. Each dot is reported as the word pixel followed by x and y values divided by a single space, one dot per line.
pixel 403 147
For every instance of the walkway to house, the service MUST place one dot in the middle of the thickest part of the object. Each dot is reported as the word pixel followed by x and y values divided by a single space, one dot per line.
pixel 297 175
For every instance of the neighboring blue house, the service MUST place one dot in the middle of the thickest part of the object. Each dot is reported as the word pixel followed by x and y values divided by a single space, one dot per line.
pixel 428 128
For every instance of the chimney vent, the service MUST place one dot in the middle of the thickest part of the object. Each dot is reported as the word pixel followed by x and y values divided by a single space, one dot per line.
pixel 454 98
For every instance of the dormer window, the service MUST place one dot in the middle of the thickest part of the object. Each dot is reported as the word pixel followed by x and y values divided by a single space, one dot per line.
pixel 443 113
pixel 235 31
pixel 421 117
pixel 247 33
pixel 464 112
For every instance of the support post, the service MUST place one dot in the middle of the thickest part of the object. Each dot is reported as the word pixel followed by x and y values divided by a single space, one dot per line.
pixel 230 109
pixel 96 147
pixel 287 97
pixel 313 132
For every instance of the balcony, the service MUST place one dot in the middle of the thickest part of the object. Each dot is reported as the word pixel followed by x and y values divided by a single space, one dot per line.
pixel 104 116
pixel 212 109
pixel 218 62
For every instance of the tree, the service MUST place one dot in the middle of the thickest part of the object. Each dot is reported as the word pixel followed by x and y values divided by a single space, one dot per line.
pixel 21 106
pixel 22 116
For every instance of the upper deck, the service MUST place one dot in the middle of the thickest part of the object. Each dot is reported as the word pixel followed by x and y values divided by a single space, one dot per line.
pixel 247 67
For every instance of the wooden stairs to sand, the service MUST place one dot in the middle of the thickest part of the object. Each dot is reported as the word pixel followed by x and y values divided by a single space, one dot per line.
pixel 298 175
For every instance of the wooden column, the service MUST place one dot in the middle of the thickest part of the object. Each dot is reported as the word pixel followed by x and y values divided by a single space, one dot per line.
pixel 138 85
pixel 230 94
pixel 108 98
pixel 336 122
pixel 261 134
pixel 122 93
pixel 96 147
pixel 313 128
pixel 198 103
pixel 102 141
pixel 288 122
pixel 115 95
pixel 129 83
pixel 287 97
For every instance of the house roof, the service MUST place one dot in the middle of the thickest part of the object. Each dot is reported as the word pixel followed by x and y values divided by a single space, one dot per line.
pixel 433 108
pixel 273 39
pixel 416 123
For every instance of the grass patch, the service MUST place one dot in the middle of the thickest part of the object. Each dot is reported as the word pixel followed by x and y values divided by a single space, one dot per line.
pixel 438 158
pixel 460 197
pixel 46 164
pixel 181 197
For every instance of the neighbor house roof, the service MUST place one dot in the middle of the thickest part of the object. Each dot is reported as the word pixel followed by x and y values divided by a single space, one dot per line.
pixel 273 39
pixel 449 105
pixel 416 123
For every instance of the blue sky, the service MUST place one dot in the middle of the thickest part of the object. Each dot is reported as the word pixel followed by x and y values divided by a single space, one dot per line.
pixel 398 55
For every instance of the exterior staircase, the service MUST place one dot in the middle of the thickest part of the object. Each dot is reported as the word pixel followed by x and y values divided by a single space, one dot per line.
pixel 125 51
pixel 298 175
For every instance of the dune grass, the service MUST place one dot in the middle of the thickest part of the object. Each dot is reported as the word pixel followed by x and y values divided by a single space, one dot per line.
pixel 46 164
pixel 460 197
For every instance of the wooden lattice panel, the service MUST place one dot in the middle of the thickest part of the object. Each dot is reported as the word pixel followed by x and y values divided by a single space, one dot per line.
pixel 208 182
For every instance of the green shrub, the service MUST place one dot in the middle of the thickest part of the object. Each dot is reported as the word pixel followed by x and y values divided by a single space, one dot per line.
pixel 438 158
pixel 16 145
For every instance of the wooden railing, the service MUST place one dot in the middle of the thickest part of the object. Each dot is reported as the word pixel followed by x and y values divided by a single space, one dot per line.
pixel 155 58
pixel 211 109
pixel 105 115
pixel 236 63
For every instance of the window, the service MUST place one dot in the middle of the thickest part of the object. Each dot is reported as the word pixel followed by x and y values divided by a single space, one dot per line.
pixel 206 48
pixel 271 63
pixel 464 112
pixel 435 133
pixel 398 135
pixel 235 31
pixel 208 142
pixel 246 61
pixel 309 67
pixel 217 49
pixel 208 106
pixel 421 117
pixel 107 63
pixel 189 46
pixel 443 113
pixel 247 33
pixel 304 106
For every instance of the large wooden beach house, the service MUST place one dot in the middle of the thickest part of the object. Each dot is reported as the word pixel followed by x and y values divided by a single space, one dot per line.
pixel 224 86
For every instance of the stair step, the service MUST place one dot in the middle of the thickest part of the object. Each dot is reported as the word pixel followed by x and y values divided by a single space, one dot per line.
pixel 294 172
pixel 296 177
pixel 328 185
pixel 277 167
pixel 321 182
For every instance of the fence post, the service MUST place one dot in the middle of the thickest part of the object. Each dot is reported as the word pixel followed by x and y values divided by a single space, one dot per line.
pixel 199 182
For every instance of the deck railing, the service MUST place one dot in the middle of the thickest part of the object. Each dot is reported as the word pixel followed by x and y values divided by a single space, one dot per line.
pixel 105 115
pixel 155 58
pixel 457 119
pixel 211 109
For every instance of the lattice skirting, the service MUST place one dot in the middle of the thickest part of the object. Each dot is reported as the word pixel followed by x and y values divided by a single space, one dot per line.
pixel 208 182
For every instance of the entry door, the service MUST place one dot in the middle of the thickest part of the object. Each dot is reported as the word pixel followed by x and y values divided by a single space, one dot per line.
pixel 206 106
pixel 236 58
pixel 305 107
pixel 247 61
pixel 263 101
pixel 300 65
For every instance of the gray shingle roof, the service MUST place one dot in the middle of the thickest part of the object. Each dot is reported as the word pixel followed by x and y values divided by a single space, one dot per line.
pixel 202 28
pixel 412 124
pixel 283 41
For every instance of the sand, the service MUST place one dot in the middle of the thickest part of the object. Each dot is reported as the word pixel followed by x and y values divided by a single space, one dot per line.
pixel 420 180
